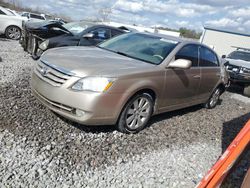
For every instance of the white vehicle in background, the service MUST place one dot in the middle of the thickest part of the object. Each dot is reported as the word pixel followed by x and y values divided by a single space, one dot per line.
pixel 10 24
pixel 33 16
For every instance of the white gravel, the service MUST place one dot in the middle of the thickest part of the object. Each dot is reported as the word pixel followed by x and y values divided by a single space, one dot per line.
pixel 41 149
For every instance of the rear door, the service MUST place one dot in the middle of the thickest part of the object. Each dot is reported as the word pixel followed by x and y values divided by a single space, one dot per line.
pixel 210 71
pixel 181 85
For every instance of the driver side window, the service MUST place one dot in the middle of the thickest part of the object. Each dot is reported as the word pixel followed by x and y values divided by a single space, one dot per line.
pixel 101 33
pixel 189 52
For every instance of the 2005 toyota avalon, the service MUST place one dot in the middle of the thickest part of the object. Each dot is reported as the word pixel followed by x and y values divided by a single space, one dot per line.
pixel 127 79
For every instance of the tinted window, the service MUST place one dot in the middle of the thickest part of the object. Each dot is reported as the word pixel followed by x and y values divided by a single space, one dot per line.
pixel 207 58
pixel 25 15
pixel 36 16
pixel 189 52
pixel 1 12
pixel 77 27
pixel 115 32
pixel 240 55
pixel 101 33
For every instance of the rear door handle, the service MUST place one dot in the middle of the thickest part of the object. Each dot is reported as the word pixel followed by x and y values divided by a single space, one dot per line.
pixel 197 77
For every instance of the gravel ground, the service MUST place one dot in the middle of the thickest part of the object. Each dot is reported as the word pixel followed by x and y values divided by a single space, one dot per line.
pixel 40 149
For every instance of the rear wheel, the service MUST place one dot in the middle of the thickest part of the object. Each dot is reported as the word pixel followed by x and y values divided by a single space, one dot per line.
pixel 136 114
pixel 214 98
pixel 13 32
pixel 247 90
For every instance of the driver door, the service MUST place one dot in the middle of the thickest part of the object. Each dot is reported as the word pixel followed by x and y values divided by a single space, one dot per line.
pixel 182 85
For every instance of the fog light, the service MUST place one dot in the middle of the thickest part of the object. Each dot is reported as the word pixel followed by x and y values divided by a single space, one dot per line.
pixel 79 113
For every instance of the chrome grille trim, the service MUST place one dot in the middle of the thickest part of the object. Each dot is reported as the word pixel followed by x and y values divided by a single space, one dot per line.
pixel 50 74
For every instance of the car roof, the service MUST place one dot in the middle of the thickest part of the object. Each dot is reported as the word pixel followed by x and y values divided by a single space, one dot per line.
pixel 107 26
pixel 184 41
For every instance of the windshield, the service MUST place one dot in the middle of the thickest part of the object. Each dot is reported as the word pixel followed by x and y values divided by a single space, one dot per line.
pixel 148 48
pixel 78 27
pixel 240 55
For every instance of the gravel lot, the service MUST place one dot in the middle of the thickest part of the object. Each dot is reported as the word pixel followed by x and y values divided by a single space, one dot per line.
pixel 40 149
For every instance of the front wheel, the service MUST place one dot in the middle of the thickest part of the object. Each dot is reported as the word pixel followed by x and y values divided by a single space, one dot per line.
pixel 214 98
pixel 136 114
pixel 13 32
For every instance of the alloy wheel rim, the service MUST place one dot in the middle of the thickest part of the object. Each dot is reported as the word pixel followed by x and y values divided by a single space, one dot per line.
pixel 215 98
pixel 138 113
pixel 13 33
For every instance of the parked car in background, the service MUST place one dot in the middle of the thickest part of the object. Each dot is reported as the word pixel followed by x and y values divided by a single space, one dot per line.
pixel 237 64
pixel 127 79
pixel 33 16
pixel 52 34
pixel 40 30
pixel 10 24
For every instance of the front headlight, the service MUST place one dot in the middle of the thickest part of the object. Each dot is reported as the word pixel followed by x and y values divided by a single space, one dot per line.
pixel 245 70
pixel 97 84
pixel 44 45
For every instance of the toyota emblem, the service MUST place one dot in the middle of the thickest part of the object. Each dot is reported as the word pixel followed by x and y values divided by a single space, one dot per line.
pixel 44 71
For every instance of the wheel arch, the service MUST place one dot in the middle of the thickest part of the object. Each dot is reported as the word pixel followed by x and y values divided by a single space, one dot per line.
pixel 149 90
pixel 12 25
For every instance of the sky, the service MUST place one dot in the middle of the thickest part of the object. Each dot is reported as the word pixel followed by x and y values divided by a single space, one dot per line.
pixel 193 14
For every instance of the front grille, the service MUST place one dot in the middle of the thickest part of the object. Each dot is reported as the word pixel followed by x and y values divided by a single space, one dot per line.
pixel 51 75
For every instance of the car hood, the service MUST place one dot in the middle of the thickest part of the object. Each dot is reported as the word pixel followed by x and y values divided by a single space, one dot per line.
pixel 239 62
pixel 44 26
pixel 92 61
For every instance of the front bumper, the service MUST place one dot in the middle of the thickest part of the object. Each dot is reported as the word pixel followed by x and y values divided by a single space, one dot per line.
pixel 98 108
pixel 239 78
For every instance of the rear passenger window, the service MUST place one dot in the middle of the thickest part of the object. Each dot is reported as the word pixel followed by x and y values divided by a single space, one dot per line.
pixel 36 16
pixel 189 52
pixel 208 58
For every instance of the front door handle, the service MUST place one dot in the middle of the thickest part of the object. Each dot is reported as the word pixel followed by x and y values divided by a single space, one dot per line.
pixel 197 77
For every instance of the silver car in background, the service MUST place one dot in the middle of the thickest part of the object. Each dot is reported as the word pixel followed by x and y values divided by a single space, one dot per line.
pixel 127 79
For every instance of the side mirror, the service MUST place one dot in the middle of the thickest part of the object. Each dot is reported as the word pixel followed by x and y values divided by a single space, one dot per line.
pixel 88 35
pixel 180 63
pixel 223 56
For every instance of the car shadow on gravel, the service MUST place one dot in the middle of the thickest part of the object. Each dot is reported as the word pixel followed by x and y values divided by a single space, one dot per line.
pixel 230 131
pixel 235 89
pixel 3 38
pixel 153 120
pixel 88 129
pixel 232 128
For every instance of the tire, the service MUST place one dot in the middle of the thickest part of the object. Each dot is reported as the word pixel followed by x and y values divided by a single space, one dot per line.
pixel 34 48
pixel 247 90
pixel 133 119
pixel 13 32
pixel 213 99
